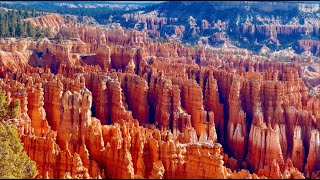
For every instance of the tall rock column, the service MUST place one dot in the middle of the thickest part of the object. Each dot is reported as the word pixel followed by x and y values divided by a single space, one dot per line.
pixel 103 56
pixel 212 103
pixel 53 91
pixel 237 130
pixel 163 107
pixel 298 150
pixel 314 153
pixel 64 134
pixel 137 94
pixel 102 103
pixel 262 139
pixel 36 111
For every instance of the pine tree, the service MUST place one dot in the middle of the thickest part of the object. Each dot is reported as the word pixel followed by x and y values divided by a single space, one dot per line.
pixel 3 106
pixel 33 14
pixel 38 32
pixel 7 26
pixel 4 26
pixel 1 25
pixel 13 24
pixel 24 32
pixel 14 110
pixel 47 32
pixel 8 111
pixel 31 31
pixel 12 31
pixel 14 162
pixel 60 37
pixel 20 12
pixel 21 29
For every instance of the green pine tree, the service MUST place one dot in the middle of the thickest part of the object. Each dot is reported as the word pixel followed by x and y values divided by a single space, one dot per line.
pixel 31 31
pixel 8 111
pixel 14 110
pixel 24 30
pixel 3 107
pixel 47 32
pixel 21 31
pixel 4 26
pixel 38 32
pixel 13 24
pixel 14 162
pixel 59 37
pixel 33 14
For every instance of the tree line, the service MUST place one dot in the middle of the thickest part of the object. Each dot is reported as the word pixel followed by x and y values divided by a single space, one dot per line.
pixel 100 14
pixel 12 24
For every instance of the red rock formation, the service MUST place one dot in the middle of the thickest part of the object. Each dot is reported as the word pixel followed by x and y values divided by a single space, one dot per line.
pixel 157 170
pixel 298 150
pixel 237 130
pixel 54 21
pixel 263 139
pixel 36 111
pixel 313 157
pixel 136 91
pixel 118 105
